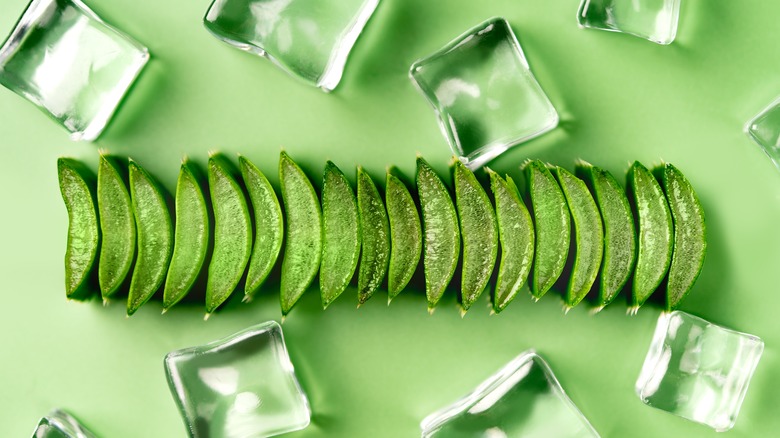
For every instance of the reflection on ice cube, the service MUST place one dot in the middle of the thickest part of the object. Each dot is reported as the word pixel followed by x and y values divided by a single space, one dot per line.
pixel 654 20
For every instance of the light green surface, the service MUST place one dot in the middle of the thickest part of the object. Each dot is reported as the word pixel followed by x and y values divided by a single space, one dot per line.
pixel 378 371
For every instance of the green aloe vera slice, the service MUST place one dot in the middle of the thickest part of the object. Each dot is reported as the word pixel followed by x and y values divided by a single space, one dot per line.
pixel 191 239
pixel 303 246
pixel 269 227
pixel 553 227
pixel 155 237
pixel 619 232
pixel 516 235
pixel 690 240
pixel 655 230
pixel 117 249
pixel 77 185
pixel 441 245
pixel 232 232
pixel 376 237
pixel 340 234
pixel 405 235
pixel 479 233
pixel 588 236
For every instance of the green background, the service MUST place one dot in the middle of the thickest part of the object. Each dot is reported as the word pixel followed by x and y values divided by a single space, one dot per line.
pixel 378 371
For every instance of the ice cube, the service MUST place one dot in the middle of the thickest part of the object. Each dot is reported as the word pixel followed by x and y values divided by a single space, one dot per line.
pixel 764 129
pixel 698 370
pixel 654 20
pixel 522 399
pixel 59 424
pixel 240 386
pixel 309 39
pixel 484 94
pixel 71 64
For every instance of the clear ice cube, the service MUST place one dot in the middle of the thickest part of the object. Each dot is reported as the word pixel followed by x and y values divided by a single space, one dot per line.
pixel 764 129
pixel 309 39
pixel 241 386
pixel 71 64
pixel 698 370
pixel 522 399
pixel 59 424
pixel 484 94
pixel 654 20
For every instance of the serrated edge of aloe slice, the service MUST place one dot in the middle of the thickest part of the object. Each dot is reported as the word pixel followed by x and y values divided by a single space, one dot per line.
pixel 347 201
pixel 502 299
pixel 375 251
pixel 684 225
pixel 643 232
pixel 139 294
pixel 587 221
pixel 435 289
pixel 290 294
pixel 268 226
pixel 479 234
pixel 404 251
pixel 191 260
pixel 79 289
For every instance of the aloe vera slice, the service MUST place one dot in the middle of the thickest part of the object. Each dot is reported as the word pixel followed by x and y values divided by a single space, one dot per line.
pixel 441 245
pixel 303 246
pixel 405 235
pixel 77 186
pixel 374 224
pixel 552 223
pixel 655 228
pixel 588 236
pixel 690 240
pixel 340 234
pixel 479 232
pixel 191 239
pixel 155 237
pixel 269 227
pixel 232 232
pixel 619 232
pixel 516 236
pixel 117 248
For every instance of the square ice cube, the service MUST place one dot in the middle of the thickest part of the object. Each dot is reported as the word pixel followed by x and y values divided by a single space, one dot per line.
pixel 241 386
pixel 309 39
pixel 59 424
pixel 71 64
pixel 764 129
pixel 522 399
pixel 654 20
pixel 698 370
pixel 484 94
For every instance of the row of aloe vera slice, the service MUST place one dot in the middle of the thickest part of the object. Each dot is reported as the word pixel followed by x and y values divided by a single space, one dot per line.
pixel 122 231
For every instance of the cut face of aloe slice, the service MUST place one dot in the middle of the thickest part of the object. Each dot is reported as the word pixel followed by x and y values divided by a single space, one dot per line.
pixel 619 232
pixel 376 237
pixel 588 236
pixel 441 233
pixel 341 234
pixel 479 232
pixel 655 234
pixel 516 235
pixel 405 235
pixel 78 188
pixel 303 246
pixel 552 223
pixel 690 240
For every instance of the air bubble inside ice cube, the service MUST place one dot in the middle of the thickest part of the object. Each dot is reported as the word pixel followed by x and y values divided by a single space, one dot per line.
pixel 764 129
pixel 71 64
pixel 60 424
pixel 522 399
pixel 698 370
pixel 309 39
pixel 241 386
pixel 654 20
pixel 484 94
